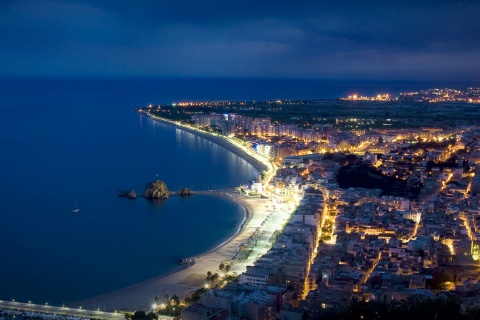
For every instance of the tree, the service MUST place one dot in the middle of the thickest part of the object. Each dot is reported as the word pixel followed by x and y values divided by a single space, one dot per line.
pixel 139 315
pixel 221 266
pixel 176 300
pixel 151 316
pixel 228 267
pixel 214 278
pixel 166 299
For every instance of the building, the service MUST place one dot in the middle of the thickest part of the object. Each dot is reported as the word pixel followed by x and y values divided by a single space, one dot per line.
pixel 200 312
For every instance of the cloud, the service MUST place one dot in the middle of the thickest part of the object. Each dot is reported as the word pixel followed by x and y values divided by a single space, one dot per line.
pixel 371 39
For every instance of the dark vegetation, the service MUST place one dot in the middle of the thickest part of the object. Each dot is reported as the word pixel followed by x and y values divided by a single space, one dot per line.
pixel 363 175
pixel 371 115
pixel 195 296
pixel 450 163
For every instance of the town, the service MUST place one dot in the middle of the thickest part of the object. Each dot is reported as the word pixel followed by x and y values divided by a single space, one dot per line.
pixel 384 207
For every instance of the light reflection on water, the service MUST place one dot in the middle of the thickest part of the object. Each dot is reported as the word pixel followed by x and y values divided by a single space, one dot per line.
pixel 73 154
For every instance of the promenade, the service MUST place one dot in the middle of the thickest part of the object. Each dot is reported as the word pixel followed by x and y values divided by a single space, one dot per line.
pixel 12 309
pixel 264 217
pixel 261 223
pixel 259 162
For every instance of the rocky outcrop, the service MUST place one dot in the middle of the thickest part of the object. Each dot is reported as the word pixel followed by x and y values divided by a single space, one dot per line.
pixel 156 190
pixel 127 194
pixel 185 192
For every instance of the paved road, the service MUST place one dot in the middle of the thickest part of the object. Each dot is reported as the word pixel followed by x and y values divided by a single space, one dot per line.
pixel 72 312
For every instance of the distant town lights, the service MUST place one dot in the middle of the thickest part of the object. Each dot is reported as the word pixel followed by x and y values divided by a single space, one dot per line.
pixel 378 97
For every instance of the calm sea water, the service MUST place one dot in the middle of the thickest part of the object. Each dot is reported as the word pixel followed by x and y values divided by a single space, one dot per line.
pixel 78 140
pixel 58 149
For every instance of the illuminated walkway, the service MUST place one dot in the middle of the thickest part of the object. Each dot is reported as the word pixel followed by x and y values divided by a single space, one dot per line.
pixel 62 311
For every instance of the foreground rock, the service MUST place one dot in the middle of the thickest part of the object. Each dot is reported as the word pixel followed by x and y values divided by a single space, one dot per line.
pixel 156 190
pixel 185 192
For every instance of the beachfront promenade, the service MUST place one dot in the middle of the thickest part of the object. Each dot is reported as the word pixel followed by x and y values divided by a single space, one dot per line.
pixel 16 308
pixel 264 218
pixel 262 222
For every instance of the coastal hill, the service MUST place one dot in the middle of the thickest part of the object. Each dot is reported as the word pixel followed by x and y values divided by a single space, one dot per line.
pixel 156 190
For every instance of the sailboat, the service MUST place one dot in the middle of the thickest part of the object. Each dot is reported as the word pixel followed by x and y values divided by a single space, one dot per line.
pixel 75 210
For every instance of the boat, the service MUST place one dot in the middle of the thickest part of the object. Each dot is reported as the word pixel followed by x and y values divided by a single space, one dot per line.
pixel 75 210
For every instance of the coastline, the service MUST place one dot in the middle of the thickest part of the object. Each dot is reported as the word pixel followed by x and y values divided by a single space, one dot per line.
pixel 193 276
pixel 220 140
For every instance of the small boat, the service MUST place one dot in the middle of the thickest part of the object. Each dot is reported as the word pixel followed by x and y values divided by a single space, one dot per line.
pixel 75 210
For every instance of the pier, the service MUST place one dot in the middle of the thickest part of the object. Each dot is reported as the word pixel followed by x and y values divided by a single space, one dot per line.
pixel 13 309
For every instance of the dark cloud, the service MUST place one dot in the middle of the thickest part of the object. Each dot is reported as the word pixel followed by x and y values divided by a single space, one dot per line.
pixel 327 39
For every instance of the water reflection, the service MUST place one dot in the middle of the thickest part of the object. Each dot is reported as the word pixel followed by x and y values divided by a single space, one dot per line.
pixel 156 203
pixel 220 160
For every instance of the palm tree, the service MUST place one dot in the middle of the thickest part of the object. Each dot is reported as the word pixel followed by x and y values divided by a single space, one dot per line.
pixel 176 300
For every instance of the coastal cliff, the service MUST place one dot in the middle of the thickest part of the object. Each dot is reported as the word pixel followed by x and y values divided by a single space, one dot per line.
pixel 156 190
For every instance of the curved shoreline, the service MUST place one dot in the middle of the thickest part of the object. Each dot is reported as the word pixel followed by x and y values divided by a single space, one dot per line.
pixel 191 277
pixel 220 140
pixel 182 282
pixel 246 217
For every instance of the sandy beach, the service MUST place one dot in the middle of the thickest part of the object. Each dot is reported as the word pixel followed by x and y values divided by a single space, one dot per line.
pixel 140 296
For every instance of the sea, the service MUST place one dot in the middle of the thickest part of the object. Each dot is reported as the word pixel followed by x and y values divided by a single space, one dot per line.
pixel 68 143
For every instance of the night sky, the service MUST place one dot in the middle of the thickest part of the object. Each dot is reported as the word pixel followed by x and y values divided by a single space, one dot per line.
pixel 382 40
